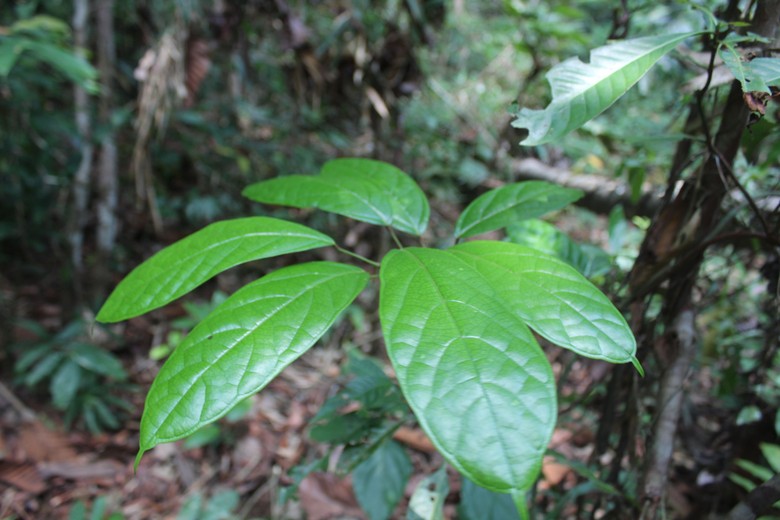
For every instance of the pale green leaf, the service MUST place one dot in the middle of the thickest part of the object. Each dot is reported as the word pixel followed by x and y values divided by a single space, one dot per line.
pixel 427 501
pixel 243 344
pixel 362 189
pixel 738 67
pixel 553 299
pixel 512 203
pixel 582 91
pixel 186 264
pixel 380 480
pixel 767 70
pixel 471 370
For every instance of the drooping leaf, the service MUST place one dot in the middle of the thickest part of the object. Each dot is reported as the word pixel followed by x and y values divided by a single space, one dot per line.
pixel 65 383
pixel 244 344
pixel 553 299
pixel 380 480
pixel 186 264
pixel 512 203
pixel 97 360
pixel 427 501
pixel 473 374
pixel 478 503
pixel 582 91
pixel 366 190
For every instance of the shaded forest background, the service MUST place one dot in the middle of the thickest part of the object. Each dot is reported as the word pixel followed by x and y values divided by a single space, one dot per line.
pixel 125 126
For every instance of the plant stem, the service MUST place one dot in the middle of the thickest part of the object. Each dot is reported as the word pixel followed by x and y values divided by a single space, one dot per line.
pixel 518 497
pixel 395 238
pixel 355 255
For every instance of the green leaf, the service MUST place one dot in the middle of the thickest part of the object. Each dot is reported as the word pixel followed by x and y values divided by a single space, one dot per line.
pixel 473 374
pixel 380 480
pixel 511 203
pixel 184 265
pixel 97 360
pixel 553 299
pixel 478 503
pixel 427 501
pixel 582 91
pixel 64 384
pixel 74 67
pixel 44 368
pixel 244 344
pixel 767 70
pixel 362 189
pixel 10 50
pixel 588 259
pixel 772 454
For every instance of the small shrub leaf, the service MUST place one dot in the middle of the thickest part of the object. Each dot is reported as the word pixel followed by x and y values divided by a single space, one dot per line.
pixel 186 264
pixel 380 480
pixel 581 91
pixel 512 203
pixel 553 299
pixel 474 375
pixel 243 344
pixel 362 189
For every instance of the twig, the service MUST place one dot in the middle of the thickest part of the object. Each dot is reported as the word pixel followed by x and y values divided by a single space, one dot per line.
pixel 670 404
pixel 26 413
pixel 758 501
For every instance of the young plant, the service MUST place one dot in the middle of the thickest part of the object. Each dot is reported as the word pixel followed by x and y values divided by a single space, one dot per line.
pixel 456 322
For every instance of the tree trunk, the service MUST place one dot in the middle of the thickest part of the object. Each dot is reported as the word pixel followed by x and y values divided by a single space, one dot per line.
pixel 107 174
pixel 672 254
pixel 81 181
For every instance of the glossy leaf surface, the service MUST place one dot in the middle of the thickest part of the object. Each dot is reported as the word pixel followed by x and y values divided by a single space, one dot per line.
pixel 186 264
pixel 380 480
pixel 581 91
pixel 476 379
pixel 512 203
pixel 362 189
pixel 243 344
pixel 553 299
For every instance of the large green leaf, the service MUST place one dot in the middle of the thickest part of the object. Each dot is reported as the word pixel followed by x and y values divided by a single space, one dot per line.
pixel 366 190
pixel 582 91
pixel 553 299
pixel 512 203
pixel 244 344
pixel 476 379
pixel 184 265
pixel 380 480
pixel 478 503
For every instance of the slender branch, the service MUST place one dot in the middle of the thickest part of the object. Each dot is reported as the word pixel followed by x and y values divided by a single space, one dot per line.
pixel 395 238
pixel 759 501
pixel 670 402
pixel 355 255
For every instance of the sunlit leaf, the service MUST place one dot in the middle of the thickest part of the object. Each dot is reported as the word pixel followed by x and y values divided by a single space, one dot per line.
pixel 366 190
pixel 512 203
pixel 553 299
pixel 244 344
pixel 582 91
pixel 476 379
pixel 186 264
